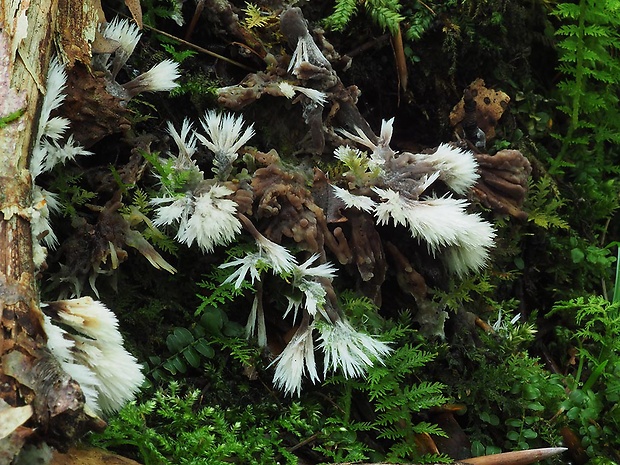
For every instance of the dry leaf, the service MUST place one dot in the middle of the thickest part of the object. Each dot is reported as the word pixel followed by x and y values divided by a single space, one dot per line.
pixel 136 11
pixel 12 417
pixel 75 456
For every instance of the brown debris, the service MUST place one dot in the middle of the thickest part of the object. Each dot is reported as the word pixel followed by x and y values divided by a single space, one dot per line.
pixel 503 182
pixel 339 246
pixel 342 100
pixel 221 14
pixel 249 90
pixel 93 111
pixel 285 207
pixel 575 448
pixel 489 108
pixel 287 204
pixel 89 456
pixel 135 9
pixel 367 253
pixel 366 246
pixel 103 181
pixel 242 197
pixel 57 399
pixel 408 278
pixel 100 248
pixel 456 444
pixel 324 197
pixel 520 457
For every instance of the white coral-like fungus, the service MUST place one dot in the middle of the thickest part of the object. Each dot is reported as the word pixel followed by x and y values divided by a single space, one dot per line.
pixel 387 129
pixel 161 77
pixel 209 219
pixel 186 143
pixel 178 210
pixel 304 279
pixel 287 89
pixel 324 270
pixel 315 95
pixel 54 96
pixel 62 347
pixel 307 51
pixel 457 167
pixel 360 137
pixel 361 202
pixel 256 322
pixel 225 138
pixel 245 265
pixel 281 260
pixel 314 297
pixel 501 324
pixel 441 222
pixel 47 152
pixel 127 35
pixel 349 350
pixel 294 361
pixel 270 254
pixel 110 375
pixel 43 203
pixel 472 253
pixel 213 222
pixel 56 127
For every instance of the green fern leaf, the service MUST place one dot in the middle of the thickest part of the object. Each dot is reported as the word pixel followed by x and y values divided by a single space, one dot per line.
pixel 343 12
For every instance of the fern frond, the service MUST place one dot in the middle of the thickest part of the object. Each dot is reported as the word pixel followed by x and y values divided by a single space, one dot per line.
pixel 344 10
pixel 428 428
pixel 254 17
pixel 544 204
pixel 385 17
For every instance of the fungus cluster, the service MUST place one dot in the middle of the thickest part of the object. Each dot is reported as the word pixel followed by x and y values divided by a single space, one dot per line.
pixel 377 188
pixel 92 351
pixel 380 213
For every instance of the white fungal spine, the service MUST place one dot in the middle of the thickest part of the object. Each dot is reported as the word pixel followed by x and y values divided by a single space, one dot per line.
pixel 93 353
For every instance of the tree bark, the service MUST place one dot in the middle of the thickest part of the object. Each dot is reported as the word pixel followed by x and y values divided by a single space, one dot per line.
pixel 29 375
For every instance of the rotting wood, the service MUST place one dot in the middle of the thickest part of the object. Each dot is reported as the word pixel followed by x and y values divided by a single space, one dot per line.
pixel 29 375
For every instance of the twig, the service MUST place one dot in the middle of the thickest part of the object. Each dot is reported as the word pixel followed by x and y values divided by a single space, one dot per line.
pixel 200 49
pixel 308 440
pixel 370 44
pixel 195 18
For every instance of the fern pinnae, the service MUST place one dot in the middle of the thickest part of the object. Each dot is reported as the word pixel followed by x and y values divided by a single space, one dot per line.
pixel 387 18
pixel 344 10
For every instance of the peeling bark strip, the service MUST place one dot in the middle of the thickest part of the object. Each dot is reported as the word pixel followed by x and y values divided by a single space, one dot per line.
pixel 29 375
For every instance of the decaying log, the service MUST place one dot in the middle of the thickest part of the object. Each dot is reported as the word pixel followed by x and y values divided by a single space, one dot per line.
pixel 29 375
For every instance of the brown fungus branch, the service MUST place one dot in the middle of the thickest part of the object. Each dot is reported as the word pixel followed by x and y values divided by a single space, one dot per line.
pixel 503 182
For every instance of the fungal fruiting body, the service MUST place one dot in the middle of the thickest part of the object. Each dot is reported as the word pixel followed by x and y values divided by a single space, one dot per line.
pixel 92 352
